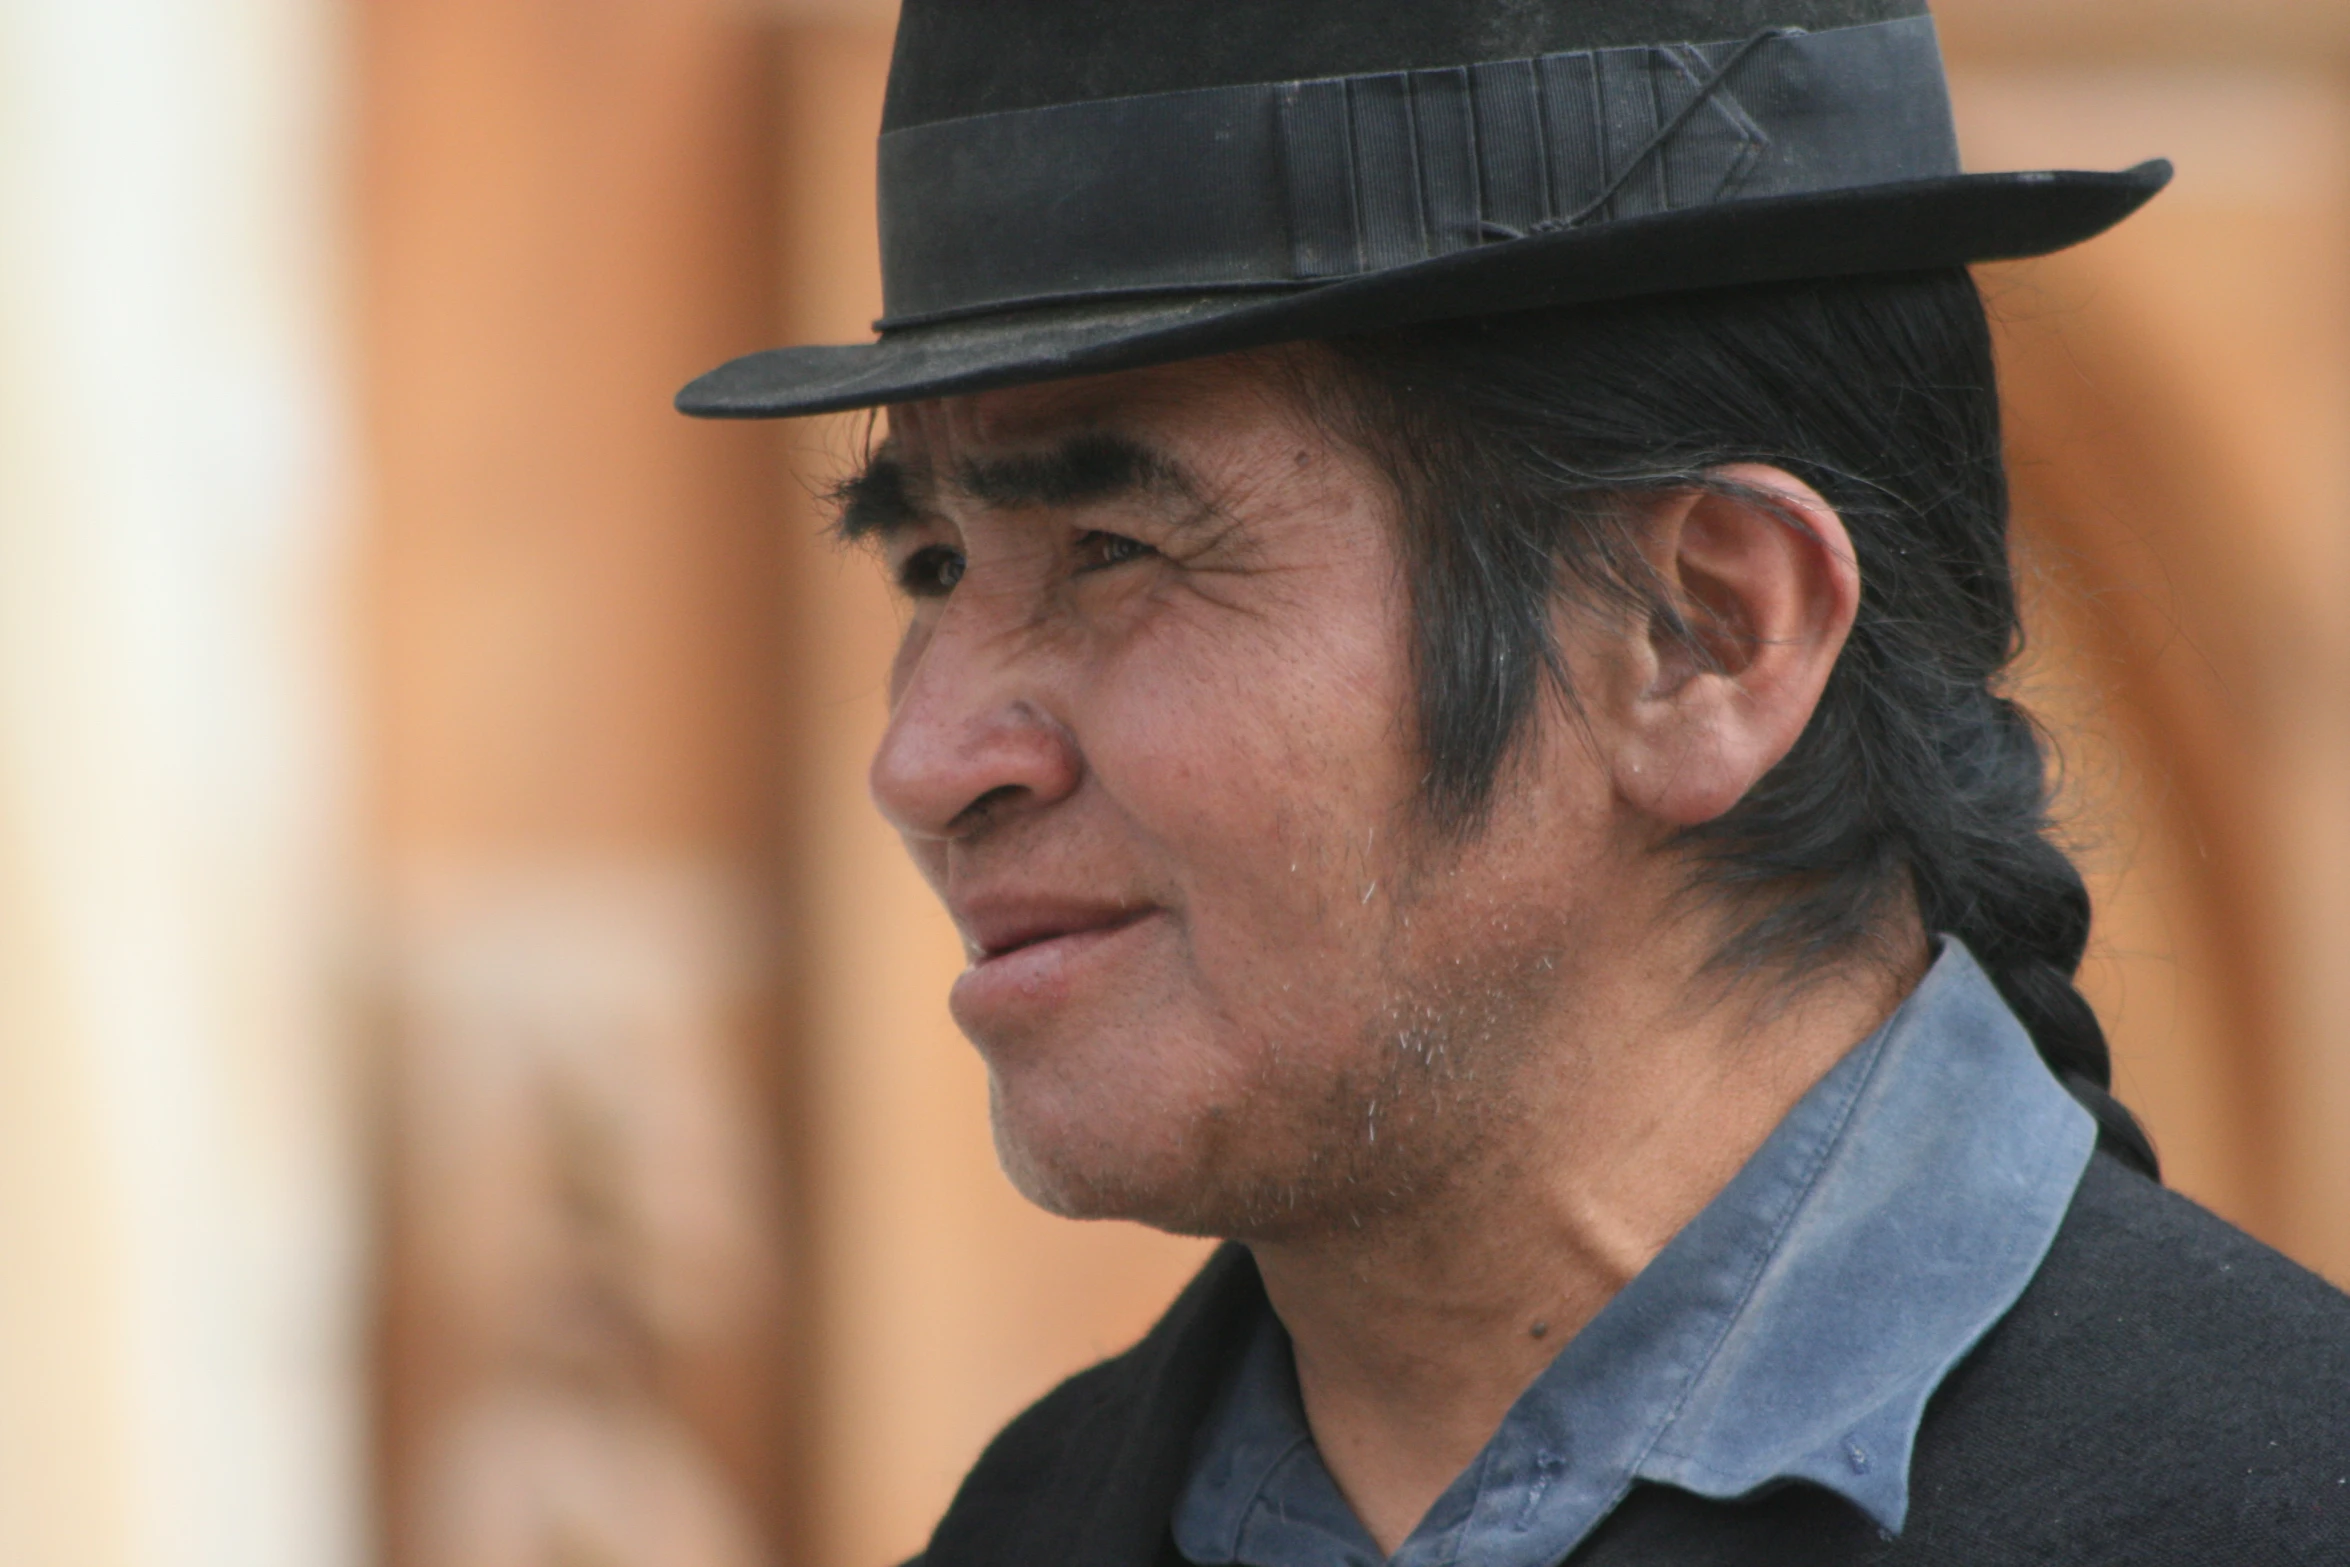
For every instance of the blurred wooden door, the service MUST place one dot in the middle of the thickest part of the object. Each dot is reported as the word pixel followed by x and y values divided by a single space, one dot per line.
pixel 569 209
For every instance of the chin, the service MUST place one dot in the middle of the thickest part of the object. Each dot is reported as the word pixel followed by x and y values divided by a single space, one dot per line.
pixel 1134 1147
pixel 1163 1113
pixel 1110 1144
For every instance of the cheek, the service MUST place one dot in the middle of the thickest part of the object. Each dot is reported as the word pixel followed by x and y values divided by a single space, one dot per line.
pixel 1264 757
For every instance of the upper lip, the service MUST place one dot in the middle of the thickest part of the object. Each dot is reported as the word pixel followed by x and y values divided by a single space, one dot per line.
pixel 995 925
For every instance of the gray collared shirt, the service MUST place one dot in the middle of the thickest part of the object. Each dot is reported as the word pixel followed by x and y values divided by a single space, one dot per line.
pixel 1793 1331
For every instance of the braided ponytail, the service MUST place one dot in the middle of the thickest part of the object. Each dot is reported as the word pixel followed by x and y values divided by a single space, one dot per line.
pixel 1514 440
pixel 2019 904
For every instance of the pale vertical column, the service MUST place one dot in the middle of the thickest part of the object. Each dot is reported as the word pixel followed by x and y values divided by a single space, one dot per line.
pixel 178 1230
pixel 944 1303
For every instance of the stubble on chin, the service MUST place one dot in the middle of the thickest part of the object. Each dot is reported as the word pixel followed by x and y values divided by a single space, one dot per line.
pixel 1422 1100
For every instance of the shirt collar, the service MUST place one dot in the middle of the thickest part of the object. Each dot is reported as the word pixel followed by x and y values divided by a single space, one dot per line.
pixel 1794 1330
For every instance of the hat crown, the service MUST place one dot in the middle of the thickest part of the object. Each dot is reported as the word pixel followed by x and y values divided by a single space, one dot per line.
pixel 965 57
pixel 1072 187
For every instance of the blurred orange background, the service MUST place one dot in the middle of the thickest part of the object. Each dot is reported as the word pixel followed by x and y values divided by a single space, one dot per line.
pixel 475 1087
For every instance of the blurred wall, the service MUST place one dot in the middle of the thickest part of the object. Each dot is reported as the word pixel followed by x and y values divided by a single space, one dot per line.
pixel 180 1225
pixel 575 642
pixel 2178 399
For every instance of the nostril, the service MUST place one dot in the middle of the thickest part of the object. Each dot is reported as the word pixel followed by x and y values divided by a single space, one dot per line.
pixel 957 759
pixel 975 815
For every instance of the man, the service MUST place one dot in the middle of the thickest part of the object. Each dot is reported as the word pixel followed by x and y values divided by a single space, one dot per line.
pixel 1456 569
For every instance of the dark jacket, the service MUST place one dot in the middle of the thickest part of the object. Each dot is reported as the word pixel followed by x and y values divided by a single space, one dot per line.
pixel 2167 1391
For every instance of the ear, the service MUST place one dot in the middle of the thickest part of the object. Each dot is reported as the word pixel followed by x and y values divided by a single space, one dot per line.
pixel 1768 588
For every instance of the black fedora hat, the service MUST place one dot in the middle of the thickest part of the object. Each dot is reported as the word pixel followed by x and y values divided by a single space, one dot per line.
pixel 1076 186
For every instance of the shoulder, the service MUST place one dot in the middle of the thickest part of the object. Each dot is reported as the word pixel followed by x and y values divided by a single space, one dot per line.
pixel 1091 1470
pixel 2165 1379
pixel 2149 1298
pixel 2167 1391
pixel 1043 1450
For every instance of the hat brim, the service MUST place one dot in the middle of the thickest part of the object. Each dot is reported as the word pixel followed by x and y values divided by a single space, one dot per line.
pixel 1910 227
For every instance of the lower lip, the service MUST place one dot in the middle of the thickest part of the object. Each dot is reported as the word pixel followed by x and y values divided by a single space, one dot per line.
pixel 1043 972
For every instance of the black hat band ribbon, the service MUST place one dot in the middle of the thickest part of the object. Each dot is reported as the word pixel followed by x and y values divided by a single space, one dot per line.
pixel 1279 185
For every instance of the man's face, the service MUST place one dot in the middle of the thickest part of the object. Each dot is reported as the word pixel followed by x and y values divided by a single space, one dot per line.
pixel 1152 741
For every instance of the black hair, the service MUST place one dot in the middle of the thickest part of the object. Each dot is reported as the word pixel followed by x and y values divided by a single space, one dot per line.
pixel 1519 444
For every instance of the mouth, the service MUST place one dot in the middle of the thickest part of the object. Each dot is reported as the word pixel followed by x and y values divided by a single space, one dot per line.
pixel 997 935
pixel 1035 955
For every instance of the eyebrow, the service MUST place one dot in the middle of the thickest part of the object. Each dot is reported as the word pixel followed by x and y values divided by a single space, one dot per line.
pixel 876 501
pixel 1089 467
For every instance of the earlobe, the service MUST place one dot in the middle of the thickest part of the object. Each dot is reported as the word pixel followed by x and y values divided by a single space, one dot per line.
pixel 1762 577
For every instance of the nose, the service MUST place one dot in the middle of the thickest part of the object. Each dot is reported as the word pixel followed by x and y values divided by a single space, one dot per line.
pixel 970 741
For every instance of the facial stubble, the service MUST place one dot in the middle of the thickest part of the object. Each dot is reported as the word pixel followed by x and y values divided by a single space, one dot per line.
pixel 1422 1101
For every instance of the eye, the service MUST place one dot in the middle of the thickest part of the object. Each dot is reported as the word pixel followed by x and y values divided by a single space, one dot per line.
pixel 1097 551
pixel 930 572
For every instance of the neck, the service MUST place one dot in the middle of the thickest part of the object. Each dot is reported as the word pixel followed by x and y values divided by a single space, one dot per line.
pixel 1414 1335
